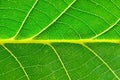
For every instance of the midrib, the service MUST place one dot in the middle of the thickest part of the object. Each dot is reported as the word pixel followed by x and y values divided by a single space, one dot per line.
pixel 77 41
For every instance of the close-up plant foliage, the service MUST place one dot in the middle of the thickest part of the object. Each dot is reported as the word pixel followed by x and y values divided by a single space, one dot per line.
pixel 59 39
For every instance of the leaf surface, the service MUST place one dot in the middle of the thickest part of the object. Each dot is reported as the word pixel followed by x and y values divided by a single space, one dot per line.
pixel 59 39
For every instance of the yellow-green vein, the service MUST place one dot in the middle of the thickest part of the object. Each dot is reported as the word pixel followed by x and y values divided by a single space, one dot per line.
pixel 26 17
pixel 61 61
pixel 60 41
pixel 17 61
pixel 54 20
pixel 106 30
pixel 101 60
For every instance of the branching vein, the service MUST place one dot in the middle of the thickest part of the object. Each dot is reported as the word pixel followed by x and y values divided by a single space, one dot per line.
pixel 54 20
pixel 61 61
pixel 106 30
pixel 17 61
pixel 102 61
pixel 26 17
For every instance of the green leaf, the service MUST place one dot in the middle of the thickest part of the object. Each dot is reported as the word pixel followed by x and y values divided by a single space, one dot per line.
pixel 59 39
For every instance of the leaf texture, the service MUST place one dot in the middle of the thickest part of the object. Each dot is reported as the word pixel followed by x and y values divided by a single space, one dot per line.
pixel 59 39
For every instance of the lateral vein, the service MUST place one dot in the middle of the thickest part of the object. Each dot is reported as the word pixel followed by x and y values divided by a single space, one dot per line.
pixel 26 17
pixel 17 61
pixel 59 58
pixel 106 30
pixel 54 20
pixel 101 60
